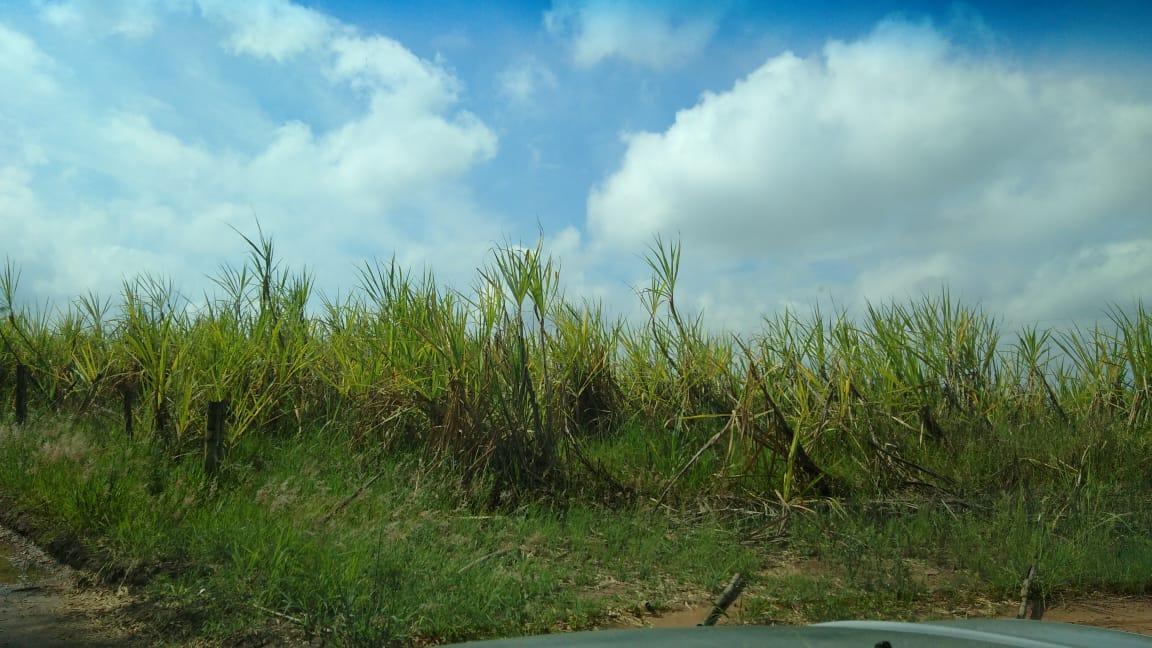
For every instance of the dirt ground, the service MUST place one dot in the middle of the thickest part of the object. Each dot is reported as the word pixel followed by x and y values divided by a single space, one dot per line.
pixel 1128 614
pixel 1115 613
pixel 42 603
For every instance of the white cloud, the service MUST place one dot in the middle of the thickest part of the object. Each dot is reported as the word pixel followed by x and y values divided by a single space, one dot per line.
pixel 24 67
pixel 1079 286
pixel 105 176
pixel 274 29
pixel 133 19
pixel 271 29
pixel 653 34
pixel 907 277
pixel 900 161
pixel 384 68
pixel 521 82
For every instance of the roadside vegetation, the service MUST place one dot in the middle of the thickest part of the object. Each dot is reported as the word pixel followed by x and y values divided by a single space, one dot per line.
pixel 413 464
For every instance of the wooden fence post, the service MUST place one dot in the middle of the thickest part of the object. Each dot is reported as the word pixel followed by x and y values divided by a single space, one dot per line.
pixel 160 419
pixel 129 395
pixel 214 437
pixel 21 393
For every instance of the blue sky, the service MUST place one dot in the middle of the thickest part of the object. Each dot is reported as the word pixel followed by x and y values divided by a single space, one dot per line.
pixel 802 151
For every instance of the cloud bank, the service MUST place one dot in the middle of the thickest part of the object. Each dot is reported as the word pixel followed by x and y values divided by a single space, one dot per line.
pixel 345 145
pixel 885 166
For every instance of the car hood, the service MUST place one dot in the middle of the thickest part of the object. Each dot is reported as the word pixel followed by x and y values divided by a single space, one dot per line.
pixel 847 634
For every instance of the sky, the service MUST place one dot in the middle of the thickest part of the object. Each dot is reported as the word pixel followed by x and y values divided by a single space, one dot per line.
pixel 802 152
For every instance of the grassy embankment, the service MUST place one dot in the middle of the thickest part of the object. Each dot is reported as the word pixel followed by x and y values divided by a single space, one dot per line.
pixel 418 464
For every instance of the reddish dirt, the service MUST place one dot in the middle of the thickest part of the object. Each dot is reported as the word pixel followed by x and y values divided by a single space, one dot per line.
pixel 685 618
pixel 1129 614
pixel 1116 613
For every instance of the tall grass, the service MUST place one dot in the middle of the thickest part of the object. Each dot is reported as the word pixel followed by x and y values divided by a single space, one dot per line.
pixel 524 392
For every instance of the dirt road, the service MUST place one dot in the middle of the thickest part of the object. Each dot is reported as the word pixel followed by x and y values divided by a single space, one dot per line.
pixel 41 603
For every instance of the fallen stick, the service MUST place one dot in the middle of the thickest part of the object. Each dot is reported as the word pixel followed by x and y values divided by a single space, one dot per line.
pixel 727 598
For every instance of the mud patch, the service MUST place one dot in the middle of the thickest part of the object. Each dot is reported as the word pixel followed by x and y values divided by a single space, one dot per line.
pixel 692 616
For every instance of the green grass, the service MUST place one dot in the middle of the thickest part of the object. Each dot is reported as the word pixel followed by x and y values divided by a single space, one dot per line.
pixel 402 562
pixel 409 561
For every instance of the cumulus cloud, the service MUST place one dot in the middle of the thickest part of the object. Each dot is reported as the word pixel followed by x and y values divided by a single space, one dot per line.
pixel 653 34
pixel 1079 286
pixel 385 68
pixel 103 176
pixel 901 161
pixel 272 29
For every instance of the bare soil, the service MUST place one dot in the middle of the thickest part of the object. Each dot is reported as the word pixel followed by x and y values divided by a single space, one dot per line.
pixel 44 603
pixel 1129 614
